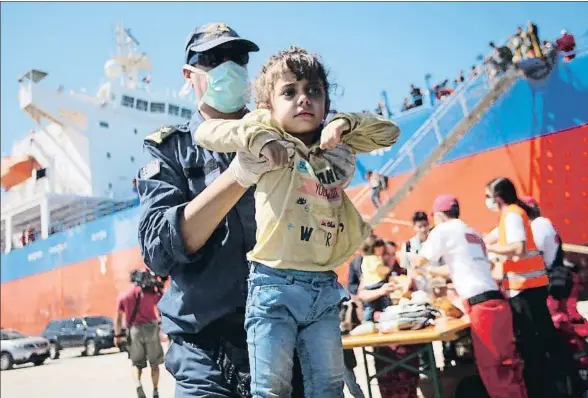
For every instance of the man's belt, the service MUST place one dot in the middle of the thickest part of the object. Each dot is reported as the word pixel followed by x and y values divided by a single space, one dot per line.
pixel 486 296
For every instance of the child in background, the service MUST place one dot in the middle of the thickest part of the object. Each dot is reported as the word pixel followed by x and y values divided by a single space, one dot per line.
pixel 306 224
pixel 375 274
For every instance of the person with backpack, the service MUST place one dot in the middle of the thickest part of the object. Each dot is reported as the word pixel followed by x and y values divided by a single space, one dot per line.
pixel 138 306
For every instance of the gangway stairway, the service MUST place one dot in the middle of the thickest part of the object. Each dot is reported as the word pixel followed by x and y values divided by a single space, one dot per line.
pixel 462 97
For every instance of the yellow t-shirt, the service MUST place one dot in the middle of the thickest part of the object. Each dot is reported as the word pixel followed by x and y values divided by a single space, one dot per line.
pixel 305 221
pixel 373 270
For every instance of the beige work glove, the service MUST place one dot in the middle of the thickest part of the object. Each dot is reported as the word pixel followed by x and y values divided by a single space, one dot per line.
pixel 247 168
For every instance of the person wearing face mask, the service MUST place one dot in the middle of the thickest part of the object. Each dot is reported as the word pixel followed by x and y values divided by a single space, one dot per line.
pixel 550 370
pixel 197 224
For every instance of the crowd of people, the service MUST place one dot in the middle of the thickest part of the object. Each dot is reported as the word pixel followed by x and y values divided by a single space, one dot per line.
pixel 519 293
pixel 246 212
pixel 527 50
pixel 525 44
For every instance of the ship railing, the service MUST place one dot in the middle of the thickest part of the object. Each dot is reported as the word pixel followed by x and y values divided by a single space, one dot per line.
pixel 406 152
pixel 436 151
pixel 66 212
pixel 84 212
pixel 431 133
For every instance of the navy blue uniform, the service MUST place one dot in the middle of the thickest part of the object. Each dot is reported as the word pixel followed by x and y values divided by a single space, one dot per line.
pixel 202 310
pixel 211 282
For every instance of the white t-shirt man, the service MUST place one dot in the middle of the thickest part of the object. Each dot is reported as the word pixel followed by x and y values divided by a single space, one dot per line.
pixel 464 252
pixel 545 236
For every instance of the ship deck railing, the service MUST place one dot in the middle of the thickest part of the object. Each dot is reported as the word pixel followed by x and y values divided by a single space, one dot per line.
pixel 64 212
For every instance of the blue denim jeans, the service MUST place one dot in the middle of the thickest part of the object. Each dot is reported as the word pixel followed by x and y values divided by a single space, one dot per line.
pixel 287 310
pixel 369 308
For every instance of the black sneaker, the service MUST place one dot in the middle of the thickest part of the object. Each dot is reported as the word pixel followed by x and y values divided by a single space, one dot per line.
pixel 140 392
pixel 156 393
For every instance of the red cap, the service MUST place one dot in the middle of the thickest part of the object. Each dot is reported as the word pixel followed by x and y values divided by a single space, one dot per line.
pixel 444 203
pixel 529 201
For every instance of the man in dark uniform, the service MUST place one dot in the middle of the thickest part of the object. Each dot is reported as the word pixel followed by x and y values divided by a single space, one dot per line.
pixel 197 225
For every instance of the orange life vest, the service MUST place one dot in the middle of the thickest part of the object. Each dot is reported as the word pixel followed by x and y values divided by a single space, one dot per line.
pixel 527 271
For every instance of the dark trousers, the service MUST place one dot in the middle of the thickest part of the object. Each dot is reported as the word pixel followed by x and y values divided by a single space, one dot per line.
pixel 549 367
pixel 214 363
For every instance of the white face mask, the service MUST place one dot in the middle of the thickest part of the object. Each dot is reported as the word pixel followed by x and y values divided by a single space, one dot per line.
pixel 228 87
pixel 491 204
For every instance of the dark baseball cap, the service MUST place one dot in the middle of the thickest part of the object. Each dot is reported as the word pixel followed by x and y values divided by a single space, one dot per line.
pixel 212 35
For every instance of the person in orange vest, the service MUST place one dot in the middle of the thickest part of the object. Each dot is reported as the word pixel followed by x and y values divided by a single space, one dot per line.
pixel 550 369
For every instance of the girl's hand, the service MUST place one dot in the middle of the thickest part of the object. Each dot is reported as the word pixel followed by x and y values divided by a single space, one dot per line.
pixel 331 134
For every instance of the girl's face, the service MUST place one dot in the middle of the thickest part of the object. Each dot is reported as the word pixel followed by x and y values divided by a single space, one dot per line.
pixel 490 201
pixel 298 106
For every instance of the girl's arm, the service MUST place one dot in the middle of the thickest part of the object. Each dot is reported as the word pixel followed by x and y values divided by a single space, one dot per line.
pixel 249 134
pixel 368 131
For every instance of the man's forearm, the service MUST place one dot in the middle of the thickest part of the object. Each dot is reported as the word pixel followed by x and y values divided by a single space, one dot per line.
pixel 368 296
pixel 440 270
pixel 203 214
pixel 118 324
pixel 509 250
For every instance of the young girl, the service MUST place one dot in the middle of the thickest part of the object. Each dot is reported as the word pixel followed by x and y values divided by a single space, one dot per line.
pixel 307 226
pixel 374 274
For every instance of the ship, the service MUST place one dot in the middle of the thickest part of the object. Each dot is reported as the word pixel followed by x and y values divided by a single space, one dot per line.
pixel 70 215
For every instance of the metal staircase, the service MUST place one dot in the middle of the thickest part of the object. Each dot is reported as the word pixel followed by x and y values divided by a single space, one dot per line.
pixel 437 136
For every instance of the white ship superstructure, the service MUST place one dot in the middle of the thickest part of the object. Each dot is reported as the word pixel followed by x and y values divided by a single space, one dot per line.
pixel 80 159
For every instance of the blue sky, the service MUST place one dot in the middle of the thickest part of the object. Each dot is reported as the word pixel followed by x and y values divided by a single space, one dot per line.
pixel 368 46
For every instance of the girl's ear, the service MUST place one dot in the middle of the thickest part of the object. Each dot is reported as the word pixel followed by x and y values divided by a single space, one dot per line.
pixel 264 105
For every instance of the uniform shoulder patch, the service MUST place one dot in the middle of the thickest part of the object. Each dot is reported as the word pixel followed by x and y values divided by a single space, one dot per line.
pixel 159 135
pixel 150 170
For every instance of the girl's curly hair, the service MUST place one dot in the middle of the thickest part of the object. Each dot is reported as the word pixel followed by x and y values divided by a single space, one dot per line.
pixel 295 60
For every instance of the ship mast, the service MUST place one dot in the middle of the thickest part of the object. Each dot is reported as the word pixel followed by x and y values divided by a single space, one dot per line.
pixel 128 59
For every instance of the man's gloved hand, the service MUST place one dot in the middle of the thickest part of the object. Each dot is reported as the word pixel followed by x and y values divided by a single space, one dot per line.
pixel 247 168
pixel 276 153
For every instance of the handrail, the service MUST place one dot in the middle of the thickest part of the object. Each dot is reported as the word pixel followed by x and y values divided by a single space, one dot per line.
pixel 406 149
pixel 448 142
pixel 568 247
